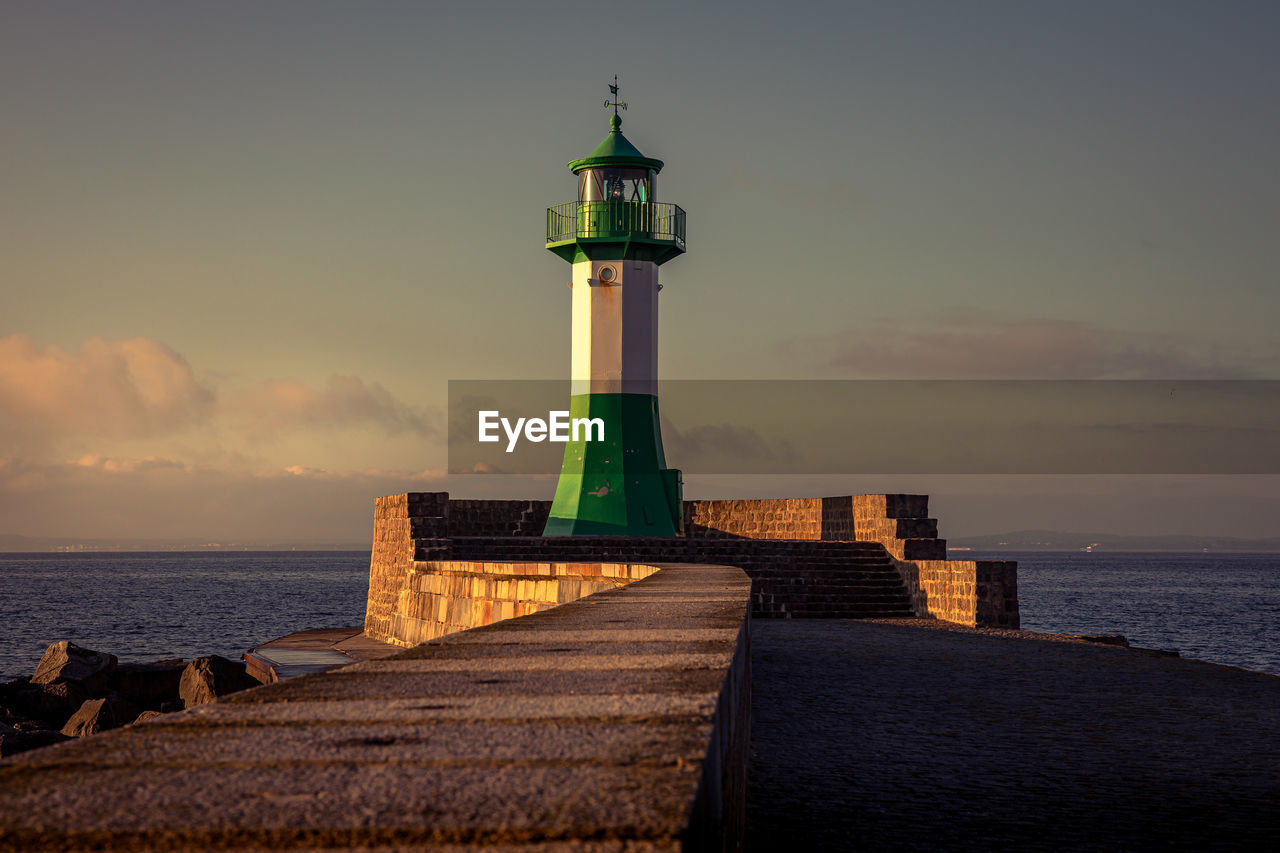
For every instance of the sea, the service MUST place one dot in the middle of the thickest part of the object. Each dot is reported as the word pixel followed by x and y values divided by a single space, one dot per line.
pixel 172 604
pixel 1223 608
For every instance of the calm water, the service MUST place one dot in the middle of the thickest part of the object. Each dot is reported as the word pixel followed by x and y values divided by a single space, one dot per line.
pixel 150 606
pixel 1222 608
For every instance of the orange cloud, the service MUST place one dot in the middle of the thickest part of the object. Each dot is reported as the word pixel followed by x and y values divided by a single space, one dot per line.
pixel 129 396
pixel 118 465
pixel 133 387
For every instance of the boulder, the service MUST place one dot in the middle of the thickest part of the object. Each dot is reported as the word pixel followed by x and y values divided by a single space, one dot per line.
pixel 12 698
pixel 10 689
pixel 147 716
pixel 99 715
pixel 13 741
pixel 207 678
pixel 148 685
pixel 67 662
pixel 57 701
pixel 30 725
pixel 49 702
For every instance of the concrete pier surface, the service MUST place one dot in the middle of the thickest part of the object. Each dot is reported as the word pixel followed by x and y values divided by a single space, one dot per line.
pixel 586 726
pixel 918 735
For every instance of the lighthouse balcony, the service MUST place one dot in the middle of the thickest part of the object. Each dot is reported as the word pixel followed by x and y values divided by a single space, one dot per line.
pixel 652 229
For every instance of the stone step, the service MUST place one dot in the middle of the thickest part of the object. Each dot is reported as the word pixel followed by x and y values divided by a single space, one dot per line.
pixel 847 607
pixel 826 589
pixel 816 562
pixel 834 583
pixel 782 570
pixel 826 595
pixel 831 594
pixel 833 613
pixel 838 614
pixel 843 593
pixel 835 602
pixel 804 581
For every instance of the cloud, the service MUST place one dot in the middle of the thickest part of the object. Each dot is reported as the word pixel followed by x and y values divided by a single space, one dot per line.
pixel 116 465
pixel 106 497
pixel 133 387
pixel 969 347
pixel 120 395
pixel 344 401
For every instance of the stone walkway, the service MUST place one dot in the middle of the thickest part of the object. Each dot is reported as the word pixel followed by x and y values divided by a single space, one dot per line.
pixel 582 727
pixel 901 735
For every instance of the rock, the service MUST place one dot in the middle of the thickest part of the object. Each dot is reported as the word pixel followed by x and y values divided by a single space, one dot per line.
pixel 207 678
pixel 13 741
pixel 10 689
pixel 66 661
pixel 146 716
pixel 49 702
pixel 148 685
pixel 56 701
pixel 30 725
pixel 99 715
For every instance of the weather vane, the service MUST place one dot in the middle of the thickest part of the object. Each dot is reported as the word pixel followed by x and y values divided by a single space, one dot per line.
pixel 615 103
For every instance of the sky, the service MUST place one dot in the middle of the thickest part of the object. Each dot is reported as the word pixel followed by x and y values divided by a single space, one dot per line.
pixel 245 246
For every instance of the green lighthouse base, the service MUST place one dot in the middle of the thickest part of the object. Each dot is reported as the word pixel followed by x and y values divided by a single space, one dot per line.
pixel 619 486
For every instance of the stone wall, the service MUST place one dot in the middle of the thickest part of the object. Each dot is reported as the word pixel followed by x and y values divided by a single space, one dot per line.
pixel 417 593
pixel 780 518
pixel 899 522
pixel 424 583
pixel 498 518
pixel 439 597
pixel 977 593
pixel 397 522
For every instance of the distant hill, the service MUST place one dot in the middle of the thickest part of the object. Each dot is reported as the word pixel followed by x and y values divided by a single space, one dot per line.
pixel 11 542
pixel 1058 540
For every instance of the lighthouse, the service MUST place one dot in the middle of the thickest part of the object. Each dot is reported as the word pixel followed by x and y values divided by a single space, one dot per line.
pixel 615 236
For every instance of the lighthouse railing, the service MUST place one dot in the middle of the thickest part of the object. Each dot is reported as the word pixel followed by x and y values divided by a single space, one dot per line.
pixel 624 220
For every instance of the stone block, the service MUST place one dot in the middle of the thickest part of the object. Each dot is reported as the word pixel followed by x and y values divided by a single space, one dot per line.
pixel 206 678
pixel 427 504
pixel 14 741
pixel 924 549
pixel 99 715
pixel 65 661
pixel 148 685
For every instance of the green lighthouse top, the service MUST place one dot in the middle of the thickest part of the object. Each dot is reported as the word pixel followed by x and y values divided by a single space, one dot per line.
pixel 616 214
pixel 616 150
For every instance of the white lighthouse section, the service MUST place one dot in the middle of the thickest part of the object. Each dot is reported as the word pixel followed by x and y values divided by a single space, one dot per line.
pixel 615 327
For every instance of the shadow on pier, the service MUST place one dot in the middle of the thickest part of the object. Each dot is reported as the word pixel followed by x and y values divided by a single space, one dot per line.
pixel 881 736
